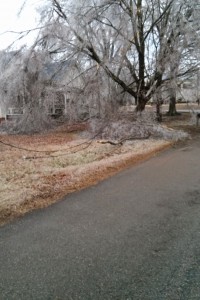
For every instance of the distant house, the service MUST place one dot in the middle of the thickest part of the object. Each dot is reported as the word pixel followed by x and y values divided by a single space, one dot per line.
pixel 3 109
pixel 53 76
pixel 187 91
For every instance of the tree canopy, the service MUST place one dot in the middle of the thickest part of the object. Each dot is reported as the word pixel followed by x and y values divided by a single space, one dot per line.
pixel 141 45
pixel 114 49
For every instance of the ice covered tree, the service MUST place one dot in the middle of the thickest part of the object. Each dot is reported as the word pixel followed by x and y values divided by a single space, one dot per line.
pixel 22 87
pixel 139 44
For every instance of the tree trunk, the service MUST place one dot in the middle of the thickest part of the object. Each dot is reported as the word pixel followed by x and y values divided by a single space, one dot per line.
pixel 141 103
pixel 158 112
pixel 172 102
pixel 172 107
pixel 157 97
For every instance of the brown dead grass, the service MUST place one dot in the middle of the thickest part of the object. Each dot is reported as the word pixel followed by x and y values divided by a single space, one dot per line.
pixel 67 163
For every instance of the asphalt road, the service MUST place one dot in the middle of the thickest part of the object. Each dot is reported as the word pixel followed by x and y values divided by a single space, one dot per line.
pixel 134 236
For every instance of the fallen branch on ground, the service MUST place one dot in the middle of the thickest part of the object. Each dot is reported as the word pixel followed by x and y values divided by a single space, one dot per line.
pixel 124 140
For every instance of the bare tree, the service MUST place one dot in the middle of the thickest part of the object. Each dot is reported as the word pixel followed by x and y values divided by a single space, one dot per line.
pixel 183 62
pixel 133 42
pixel 118 47
pixel 22 87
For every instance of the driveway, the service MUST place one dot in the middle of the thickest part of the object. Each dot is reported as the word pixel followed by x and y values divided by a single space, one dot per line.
pixel 134 236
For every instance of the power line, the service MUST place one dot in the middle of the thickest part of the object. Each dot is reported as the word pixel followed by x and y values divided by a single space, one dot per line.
pixel 87 143
pixel 44 151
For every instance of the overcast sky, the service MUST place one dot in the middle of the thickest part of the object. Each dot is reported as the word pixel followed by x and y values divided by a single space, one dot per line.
pixel 11 20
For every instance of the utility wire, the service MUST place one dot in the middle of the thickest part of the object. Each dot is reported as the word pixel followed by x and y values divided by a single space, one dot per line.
pixel 43 151
pixel 87 143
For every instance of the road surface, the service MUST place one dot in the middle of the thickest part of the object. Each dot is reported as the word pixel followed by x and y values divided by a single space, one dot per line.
pixel 134 236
